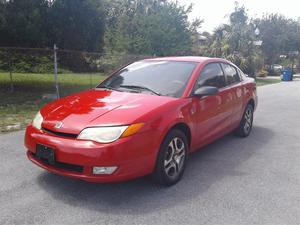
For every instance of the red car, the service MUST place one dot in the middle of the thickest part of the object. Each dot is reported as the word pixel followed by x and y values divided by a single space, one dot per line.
pixel 143 119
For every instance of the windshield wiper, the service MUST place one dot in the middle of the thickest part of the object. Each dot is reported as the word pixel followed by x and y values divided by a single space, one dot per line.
pixel 107 87
pixel 140 88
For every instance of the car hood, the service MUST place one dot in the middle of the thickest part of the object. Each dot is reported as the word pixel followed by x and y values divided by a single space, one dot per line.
pixel 98 108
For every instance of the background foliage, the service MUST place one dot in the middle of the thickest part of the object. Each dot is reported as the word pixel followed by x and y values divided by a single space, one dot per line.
pixel 141 27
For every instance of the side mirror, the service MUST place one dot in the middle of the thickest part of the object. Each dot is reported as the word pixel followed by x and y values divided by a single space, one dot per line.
pixel 206 91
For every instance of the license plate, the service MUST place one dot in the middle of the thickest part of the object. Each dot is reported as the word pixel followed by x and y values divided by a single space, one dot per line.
pixel 46 153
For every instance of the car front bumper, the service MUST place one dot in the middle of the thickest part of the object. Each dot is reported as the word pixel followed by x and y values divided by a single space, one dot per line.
pixel 134 156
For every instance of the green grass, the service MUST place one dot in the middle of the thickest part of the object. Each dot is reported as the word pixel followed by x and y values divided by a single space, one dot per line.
pixel 264 81
pixel 19 107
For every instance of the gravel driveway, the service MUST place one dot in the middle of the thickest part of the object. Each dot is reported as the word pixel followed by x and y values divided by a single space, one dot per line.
pixel 232 181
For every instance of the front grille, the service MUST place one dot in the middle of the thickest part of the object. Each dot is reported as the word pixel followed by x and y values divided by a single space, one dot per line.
pixel 61 165
pixel 61 134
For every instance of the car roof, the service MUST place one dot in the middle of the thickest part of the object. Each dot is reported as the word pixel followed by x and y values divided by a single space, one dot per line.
pixel 197 59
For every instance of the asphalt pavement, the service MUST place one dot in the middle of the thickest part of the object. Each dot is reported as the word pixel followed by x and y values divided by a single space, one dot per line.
pixel 232 181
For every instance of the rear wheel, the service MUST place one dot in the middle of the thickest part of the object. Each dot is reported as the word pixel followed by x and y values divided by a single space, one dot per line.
pixel 245 126
pixel 171 159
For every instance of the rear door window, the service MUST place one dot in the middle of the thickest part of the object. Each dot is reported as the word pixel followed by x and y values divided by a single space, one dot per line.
pixel 231 74
pixel 211 75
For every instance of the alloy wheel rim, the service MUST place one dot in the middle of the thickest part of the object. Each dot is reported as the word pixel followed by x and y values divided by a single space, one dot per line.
pixel 174 157
pixel 248 120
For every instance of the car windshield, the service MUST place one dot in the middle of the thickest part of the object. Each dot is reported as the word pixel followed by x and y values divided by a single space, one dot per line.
pixel 168 78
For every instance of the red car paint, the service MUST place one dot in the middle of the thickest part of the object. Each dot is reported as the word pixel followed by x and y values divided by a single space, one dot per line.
pixel 206 119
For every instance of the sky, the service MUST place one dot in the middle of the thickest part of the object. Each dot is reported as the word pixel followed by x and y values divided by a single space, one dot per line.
pixel 215 12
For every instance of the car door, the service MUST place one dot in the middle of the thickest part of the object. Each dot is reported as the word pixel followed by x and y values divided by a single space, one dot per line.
pixel 212 112
pixel 233 81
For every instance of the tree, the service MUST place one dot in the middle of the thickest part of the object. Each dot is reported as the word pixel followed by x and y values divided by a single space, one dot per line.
pixel 236 41
pixel 279 35
pixel 24 23
pixel 77 24
pixel 71 24
pixel 148 27
pixel 220 42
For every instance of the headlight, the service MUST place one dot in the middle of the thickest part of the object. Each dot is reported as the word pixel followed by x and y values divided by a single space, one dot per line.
pixel 37 121
pixel 108 134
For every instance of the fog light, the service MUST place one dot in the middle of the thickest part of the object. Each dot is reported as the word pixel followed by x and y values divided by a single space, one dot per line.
pixel 104 170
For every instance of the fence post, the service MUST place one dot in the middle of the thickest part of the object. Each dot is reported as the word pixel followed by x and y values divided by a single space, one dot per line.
pixel 91 82
pixel 55 71
pixel 10 74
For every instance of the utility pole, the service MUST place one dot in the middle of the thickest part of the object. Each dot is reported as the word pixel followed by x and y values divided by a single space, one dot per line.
pixel 55 71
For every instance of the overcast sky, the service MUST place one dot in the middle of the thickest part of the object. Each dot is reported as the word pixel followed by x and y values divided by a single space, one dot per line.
pixel 214 11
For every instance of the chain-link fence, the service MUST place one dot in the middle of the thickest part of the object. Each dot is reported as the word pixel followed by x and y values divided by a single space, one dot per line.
pixel 28 78
pixel 28 68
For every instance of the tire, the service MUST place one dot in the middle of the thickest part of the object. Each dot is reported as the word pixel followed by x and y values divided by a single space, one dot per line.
pixel 245 127
pixel 171 159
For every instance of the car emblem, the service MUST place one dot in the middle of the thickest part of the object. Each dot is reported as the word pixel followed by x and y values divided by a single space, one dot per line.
pixel 58 124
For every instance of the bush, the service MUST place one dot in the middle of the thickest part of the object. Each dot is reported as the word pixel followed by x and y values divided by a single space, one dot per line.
pixel 262 73
pixel 247 65
pixel 41 61
pixel 28 61
pixel 110 62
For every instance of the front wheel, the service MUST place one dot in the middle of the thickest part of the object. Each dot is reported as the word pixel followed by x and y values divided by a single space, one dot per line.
pixel 245 126
pixel 171 158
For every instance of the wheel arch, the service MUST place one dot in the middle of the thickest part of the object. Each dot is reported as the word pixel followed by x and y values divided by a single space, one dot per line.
pixel 251 102
pixel 184 128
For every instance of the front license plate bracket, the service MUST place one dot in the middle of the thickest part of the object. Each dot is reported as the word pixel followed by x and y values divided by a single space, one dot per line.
pixel 45 153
